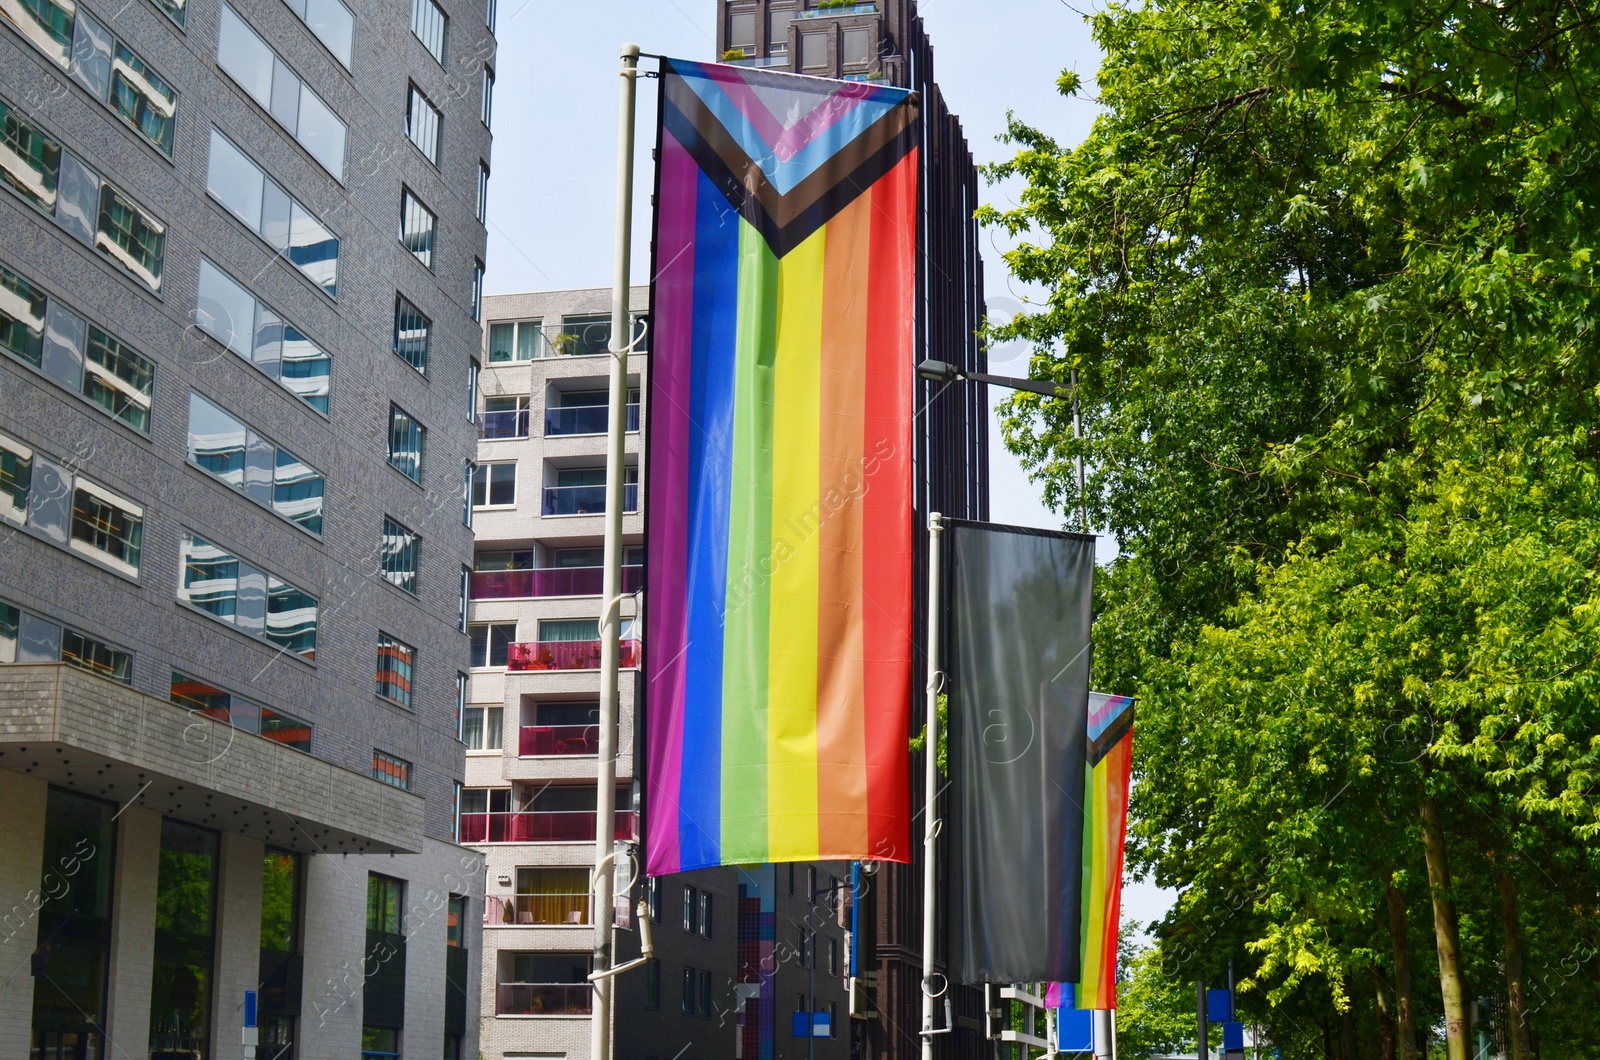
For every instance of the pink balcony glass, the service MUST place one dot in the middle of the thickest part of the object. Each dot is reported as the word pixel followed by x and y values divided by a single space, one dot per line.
pixel 555 581
pixel 545 740
pixel 565 826
pixel 566 655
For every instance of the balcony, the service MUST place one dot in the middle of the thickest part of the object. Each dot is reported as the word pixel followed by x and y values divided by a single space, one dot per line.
pixel 550 741
pixel 584 419
pixel 760 61
pixel 495 426
pixel 838 10
pixel 553 581
pixel 587 500
pixel 566 655
pixel 537 910
pixel 551 826
pixel 542 999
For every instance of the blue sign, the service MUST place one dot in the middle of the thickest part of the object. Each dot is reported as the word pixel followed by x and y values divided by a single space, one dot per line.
pixel 811 1025
pixel 1233 1037
pixel 1219 1006
pixel 1074 1030
pixel 249 1008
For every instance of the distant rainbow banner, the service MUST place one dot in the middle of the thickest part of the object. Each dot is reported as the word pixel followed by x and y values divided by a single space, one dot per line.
pixel 779 474
pixel 1105 828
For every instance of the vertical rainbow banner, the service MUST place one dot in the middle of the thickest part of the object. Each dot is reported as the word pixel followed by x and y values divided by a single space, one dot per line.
pixel 779 473
pixel 1105 829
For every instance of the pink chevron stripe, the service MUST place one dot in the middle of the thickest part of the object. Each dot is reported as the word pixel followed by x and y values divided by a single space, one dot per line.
pixel 786 141
pixel 1112 706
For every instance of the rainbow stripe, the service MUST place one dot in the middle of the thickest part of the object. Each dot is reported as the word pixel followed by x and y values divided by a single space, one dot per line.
pixel 1105 827
pixel 779 515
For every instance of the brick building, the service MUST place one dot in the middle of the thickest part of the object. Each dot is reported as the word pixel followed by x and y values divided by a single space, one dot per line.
pixel 240 257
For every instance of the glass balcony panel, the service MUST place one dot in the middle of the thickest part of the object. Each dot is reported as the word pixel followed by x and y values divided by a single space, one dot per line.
pixel 551 826
pixel 566 655
pixel 496 425
pixel 557 581
pixel 541 741
pixel 586 500
pixel 539 999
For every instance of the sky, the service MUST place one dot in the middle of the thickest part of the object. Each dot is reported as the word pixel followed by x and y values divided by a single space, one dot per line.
pixel 552 188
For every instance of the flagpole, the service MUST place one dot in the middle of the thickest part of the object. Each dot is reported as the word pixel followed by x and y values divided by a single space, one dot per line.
pixel 605 818
pixel 930 761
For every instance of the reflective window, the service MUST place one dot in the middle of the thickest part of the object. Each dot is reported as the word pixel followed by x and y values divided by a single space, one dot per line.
pixel 396 662
pixel 32 157
pixel 22 312
pixel 422 124
pixel 332 23
pixel 472 391
pixel 520 340
pixel 213 702
pixel 491 643
pixel 286 729
pixel 118 379
pixel 494 485
pixel 46 25
pixel 469 474
pixel 406 439
pixel 235 181
pixel 267 79
pixel 393 771
pixel 416 227
pixel 477 290
pixel 232 315
pixel 106 526
pixel 245 596
pixel 142 98
pixel 16 476
pixel 399 555
pixel 27 638
pixel 428 23
pixel 131 237
pixel 251 463
pixel 585 336
pixel 96 656
pixel 182 979
pixel 200 697
pixel 384 904
pixel 483 192
pixel 411 331
pixel 488 97
pixel 490 13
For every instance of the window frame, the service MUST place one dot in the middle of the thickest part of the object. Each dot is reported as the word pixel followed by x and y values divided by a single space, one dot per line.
pixel 410 204
pixel 407 311
pixel 414 95
pixel 391 567
pixel 386 765
pixel 487 467
pixel 443 20
pixel 419 432
pixel 388 673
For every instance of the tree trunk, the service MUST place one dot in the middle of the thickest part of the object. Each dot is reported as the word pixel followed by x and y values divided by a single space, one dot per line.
pixel 1517 1010
pixel 1447 936
pixel 1385 1017
pixel 1405 1011
pixel 1347 1034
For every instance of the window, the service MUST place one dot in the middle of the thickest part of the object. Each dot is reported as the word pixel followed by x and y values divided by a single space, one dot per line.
pixel 422 124
pixel 411 332
pixel 250 328
pixel 251 463
pixel 544 984
pixel 22 314
pixel 9 620
pixel 690 980
pixel 742 30
pixel 504 417
pixel 16 478
pixel 494 486
pixel 27 638
pixel 857 46
pixel 466 597
pixel 456 922
pixel 141 97
pixel 236 182
pixel 332 23
pixel 96 656
pixel 396 662
pixel 416 227
pixel 833 956
pixel 833 1019
pixel 652 898
pixel 76 964
pixel 481 727
pixel 399 556
pixel 428 23
pixel 214 703
pixel 33 156
pixel 107 527
pixel 518 340
pixel 183 977
pixel 553 896
pixel 406 440
pixel 117 379
pixel 491 644
pixel 462 681
pixel 813 51
pixel 705 914
pixel 585 336
pixel 582 491
pixel 705 994
pixel 490 14
pixel 483 192
pixel 778 29
pixel 488 97
pixel 472 391
pixel 395 772
pixel 652 984
pixel 255 68
pixel 469 472
pixel 691 911
pixel 380 1043
pixel 384 904
pixel 247 597
pixel 477 290
pixel 130 236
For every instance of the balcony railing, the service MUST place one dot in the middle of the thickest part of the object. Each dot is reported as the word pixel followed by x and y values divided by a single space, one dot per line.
pixel 493 426
pixel 760 61
pixel 566 655
pixel 542 999
pixel 584 419
pixel 540 741
pixel 586 500
pixel 553 581
pixel 834 12
pixel 537 910
pixel 536 826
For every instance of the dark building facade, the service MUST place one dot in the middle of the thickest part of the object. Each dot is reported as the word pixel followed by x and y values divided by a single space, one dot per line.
pixel 240 251
pixel 886 41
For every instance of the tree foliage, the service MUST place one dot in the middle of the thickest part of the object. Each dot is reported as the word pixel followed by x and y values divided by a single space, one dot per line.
pixel 1324 274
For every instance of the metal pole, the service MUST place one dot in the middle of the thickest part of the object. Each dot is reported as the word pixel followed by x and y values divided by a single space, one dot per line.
pixel 1203 1051
pixel 930 784
pixel 611 583
pixel 1077 433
